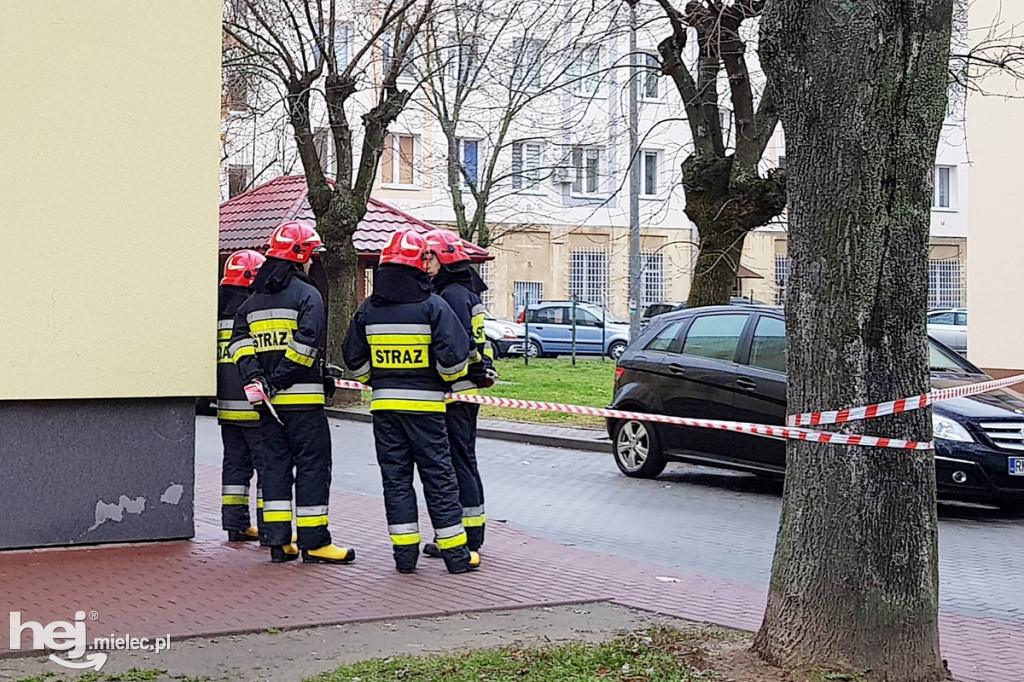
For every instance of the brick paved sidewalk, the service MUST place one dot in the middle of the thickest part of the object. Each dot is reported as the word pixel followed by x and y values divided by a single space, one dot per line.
pixel 207 587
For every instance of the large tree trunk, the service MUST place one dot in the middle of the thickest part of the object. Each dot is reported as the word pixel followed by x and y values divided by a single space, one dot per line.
pixel 862 92
pixel 341 264
pixel 724 211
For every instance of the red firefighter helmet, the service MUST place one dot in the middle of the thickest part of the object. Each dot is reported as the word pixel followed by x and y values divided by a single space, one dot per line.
pixel 295 241
pixel 405 247
pixel 447 245
pixel 241 267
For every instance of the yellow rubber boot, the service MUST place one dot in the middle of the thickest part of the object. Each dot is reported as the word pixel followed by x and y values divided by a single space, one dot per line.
pixel 329 554
pixel 248 535
pixel 474 560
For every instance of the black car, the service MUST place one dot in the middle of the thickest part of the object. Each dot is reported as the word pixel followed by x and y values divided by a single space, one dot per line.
pixel 729 363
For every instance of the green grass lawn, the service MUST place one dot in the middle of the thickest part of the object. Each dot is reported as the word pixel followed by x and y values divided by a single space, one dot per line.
pixel 589 383
pixel 653 656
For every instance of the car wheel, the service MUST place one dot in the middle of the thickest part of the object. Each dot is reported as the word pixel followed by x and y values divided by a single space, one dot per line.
pixel 616 350
pixel 533 349
pixel 637 450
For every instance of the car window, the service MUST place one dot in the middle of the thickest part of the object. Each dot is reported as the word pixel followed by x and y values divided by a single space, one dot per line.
pixel 586 318
pixel 940 318
pixel 715 336
pixel 940 360
pixel 768 349
pixel 961 319
pixel 550 315
pixel 664 339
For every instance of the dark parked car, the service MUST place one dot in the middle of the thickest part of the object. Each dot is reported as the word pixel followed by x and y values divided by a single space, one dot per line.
pixel 729 363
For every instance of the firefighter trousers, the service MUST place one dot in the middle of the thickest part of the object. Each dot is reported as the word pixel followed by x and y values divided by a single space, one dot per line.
pixel 296 454
pixel 460 420
pixel 242 456
pixel 418 440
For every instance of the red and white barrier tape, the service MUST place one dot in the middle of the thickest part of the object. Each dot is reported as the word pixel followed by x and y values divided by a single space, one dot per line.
pixel 765 430
pixel 897 406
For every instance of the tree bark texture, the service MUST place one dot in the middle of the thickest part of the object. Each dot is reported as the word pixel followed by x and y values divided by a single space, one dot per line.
pixel 861 89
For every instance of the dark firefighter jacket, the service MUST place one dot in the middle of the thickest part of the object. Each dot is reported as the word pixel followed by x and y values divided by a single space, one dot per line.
pixel 406 343
pixel 460 286
pixel 232 407
pixel 279 335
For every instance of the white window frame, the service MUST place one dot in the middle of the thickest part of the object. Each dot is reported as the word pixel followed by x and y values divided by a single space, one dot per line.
pixel 581 155
pixel 647 74
pixel 460 145
pixel 951 193
pixel 528 67
pixel 387 54
pixel 467 46
pixel 584 73
pixel 781 277
pixel 396 161
pixel 521 180
pixel 645 161
pixel 946 283
pixel 522 287
pixel 486 272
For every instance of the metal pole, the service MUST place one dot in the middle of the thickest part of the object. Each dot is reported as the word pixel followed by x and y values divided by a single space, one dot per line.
pixel 526 323
pixel 604 333
pixel 573 331
pixel 634 182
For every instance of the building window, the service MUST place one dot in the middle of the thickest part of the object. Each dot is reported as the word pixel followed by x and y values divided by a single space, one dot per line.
pixel 526 292
pixel 236 94
pixel 526 159
pixel 944 181
pixel 468 161
pixel 586 163
pixel 341 39
pixel 945 283
pixel 649 173
pixel 782 163
pixel 389 48
pixel 781 278
pixel 398 162
pixel 588 276
pixel 321 142
pixel 486 272
pixel 526 74
pixel 239 179
pixel 653 278
pixel 651 85
pixel 584 72
pixel 464 61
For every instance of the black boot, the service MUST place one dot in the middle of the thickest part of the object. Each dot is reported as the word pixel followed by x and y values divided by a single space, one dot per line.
pixel 430 549
pixel 248 535
pixel 405 557
pixel 460 560
pixel 280 554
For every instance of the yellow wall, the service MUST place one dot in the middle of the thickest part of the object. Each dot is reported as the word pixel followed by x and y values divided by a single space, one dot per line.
pixel 109 144
pixel 995 328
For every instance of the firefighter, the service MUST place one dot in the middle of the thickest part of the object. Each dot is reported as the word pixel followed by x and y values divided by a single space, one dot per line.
pixel 406 343
pixel 278 344
pixel 460 286
pixel 238 420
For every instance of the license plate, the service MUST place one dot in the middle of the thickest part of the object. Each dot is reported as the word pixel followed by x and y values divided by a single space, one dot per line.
pixel 1017 466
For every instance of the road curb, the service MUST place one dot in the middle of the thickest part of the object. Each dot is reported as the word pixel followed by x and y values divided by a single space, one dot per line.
pixel 599 443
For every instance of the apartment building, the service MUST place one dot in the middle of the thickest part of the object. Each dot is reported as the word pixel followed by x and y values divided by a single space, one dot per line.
pixel 558 172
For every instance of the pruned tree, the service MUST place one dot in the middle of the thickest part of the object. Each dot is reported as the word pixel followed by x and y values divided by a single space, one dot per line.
pixel 294 45
pixel 861 90
pixel 726 194
pixel 494 71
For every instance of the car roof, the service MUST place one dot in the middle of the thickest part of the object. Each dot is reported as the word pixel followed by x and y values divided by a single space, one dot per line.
pixel 690 312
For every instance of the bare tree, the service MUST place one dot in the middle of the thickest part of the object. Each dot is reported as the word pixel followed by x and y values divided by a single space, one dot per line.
pixel 492 67
pixel 862 92
pixel 726 196
pixel 294 44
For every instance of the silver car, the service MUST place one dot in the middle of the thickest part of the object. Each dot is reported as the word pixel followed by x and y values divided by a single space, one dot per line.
pixel 949 326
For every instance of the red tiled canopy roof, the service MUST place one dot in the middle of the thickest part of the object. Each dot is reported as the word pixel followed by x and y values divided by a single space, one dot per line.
pixel 247 220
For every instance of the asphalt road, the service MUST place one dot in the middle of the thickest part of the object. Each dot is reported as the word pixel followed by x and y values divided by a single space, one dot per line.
pixel 695 519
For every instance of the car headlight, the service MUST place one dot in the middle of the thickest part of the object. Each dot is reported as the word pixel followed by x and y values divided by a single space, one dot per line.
pixel 509 333
pixel 948 429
